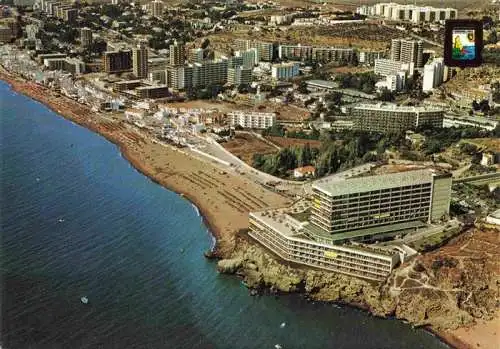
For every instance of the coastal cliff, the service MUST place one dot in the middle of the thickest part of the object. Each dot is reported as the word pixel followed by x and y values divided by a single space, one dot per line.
pixel 446 289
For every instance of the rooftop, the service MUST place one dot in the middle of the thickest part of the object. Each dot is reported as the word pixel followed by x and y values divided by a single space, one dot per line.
pixel 396 107
pixel 363 184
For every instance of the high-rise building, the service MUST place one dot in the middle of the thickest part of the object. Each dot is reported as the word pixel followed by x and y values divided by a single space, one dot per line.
pixel 177 54
pixel 117 61
pixel 86 37
pixel 295 52
pixel 239 76
pixel 391 118
pixel 366 202
pixel 210 73
pixel 250 57
pixel 284 71
pixel 140 61
pixel 157 8
pixel 180 78
pixel 31 31
pixel 195 55
pixel 433 74
pixel 407 51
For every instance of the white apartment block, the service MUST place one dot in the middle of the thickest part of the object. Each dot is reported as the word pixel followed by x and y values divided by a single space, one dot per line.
pixel 252 119
pixel 284 71
pixel 250 57
pixel 410 13
pixel 433 74
pixel 385 67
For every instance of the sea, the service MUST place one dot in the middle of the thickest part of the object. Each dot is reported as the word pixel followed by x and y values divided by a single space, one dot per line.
pixel 77 220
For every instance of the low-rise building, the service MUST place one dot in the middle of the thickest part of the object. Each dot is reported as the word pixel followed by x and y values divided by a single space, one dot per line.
pixel 284 235
pixel 255 120
pixel 304 171
pixel 152 92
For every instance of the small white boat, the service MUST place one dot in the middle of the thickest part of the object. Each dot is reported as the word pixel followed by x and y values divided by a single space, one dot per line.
pixel 277 346
pixel 37 179
pixel 84 300
pixel 283 324
pixel 61 220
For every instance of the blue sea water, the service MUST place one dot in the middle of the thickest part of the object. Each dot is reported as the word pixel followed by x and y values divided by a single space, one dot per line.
pixel 77 220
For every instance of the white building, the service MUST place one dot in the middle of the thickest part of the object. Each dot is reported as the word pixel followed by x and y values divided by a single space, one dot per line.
pixel 239 76
pixel 385 67
pixel 394 82
pixel 433 74
pixel 252 119
pixel 410 13
pixel 284 71
pixel 250 57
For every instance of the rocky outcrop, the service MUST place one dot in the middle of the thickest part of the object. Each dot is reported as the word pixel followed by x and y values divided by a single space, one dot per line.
pixel 445 289
pixel 229 266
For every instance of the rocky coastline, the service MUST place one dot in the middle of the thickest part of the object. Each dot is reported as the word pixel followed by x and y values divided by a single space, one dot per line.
pixel 448 298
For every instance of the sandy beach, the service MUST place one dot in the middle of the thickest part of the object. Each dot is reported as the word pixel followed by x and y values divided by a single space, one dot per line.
pixel 223 198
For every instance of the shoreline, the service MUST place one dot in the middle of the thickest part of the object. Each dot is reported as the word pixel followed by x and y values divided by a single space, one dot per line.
pixel 138 166
pixel 133 155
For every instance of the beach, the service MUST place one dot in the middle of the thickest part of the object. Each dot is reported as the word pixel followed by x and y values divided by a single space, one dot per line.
pixel 222 197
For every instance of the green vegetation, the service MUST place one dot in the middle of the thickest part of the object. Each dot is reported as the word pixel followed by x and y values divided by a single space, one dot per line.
pixel 438 139
pixel 338 151
pixel 364 82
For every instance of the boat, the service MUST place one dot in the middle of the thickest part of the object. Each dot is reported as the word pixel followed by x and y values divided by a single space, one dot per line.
pixel 277 346
pixel 61 220
pixel 283 324
pixel 84 300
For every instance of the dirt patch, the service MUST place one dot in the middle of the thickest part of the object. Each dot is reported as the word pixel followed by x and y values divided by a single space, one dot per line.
pixel 245 146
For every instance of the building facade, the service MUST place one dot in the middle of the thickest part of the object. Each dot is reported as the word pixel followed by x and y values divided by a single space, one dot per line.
pixel 433 74
pixel 284 236
pixel 177 54
pixel 408 51
pixel 85 37
pixel 410 13
pixel 140 61
pixel 239 76
pixel 252 119
pixel 284 71
pixel 366 202
pixel 117 61
pixel 391 118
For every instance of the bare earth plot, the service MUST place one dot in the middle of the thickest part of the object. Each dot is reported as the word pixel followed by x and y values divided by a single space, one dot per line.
pixel 245 146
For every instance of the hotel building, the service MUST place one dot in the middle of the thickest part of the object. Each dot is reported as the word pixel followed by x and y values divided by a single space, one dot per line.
pixel 348 212
pixel 386 118
pixel 284 235
pixel 367 202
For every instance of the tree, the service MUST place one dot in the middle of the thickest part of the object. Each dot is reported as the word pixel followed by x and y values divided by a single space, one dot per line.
pixel 302 88
pixel 386 95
